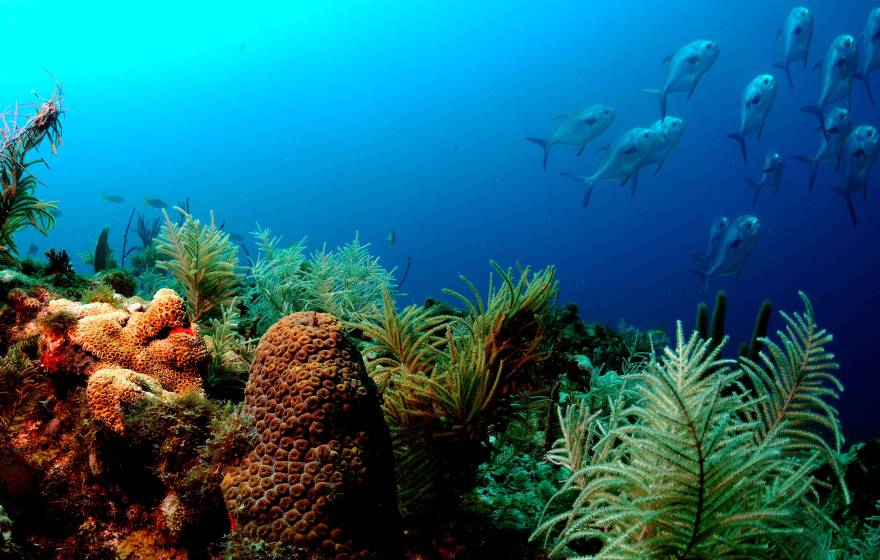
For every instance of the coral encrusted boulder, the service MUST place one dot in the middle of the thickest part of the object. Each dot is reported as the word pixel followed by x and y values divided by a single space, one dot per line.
pixel 321 476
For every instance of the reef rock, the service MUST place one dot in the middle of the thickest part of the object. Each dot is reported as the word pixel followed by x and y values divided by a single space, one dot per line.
pixel 321 476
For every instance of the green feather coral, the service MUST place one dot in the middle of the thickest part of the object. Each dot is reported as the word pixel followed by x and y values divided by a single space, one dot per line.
pixel 202 260
pixel 697 466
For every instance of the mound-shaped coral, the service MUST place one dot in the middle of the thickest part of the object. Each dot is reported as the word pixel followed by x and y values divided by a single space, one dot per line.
pixel 156 342
pixel 321 475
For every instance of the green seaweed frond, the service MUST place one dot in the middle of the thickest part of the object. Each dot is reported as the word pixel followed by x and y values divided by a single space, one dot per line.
pixel 202 260
pixel 797 376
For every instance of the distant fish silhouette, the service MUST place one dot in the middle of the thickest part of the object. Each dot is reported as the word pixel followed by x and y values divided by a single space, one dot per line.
pixel 236 237
pixel 114 198
pixel 392 237
pixel 859 153
pixel 155 203
pixel 771 175
pixel 32 250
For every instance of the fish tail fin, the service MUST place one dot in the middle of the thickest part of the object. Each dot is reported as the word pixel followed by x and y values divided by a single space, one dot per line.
pixel 588 184
pixel 742 144
pixel 754 185
pixel 704 277
pixel 544 144
pixel 588 192
pixel 864 79
pixel 784 68
pixel 635 181
pixel 661 94
pixel 814 168
pixel 817 112
pixel 849 203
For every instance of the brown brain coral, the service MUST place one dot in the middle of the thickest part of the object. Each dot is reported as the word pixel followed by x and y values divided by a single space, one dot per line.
pixel 321 476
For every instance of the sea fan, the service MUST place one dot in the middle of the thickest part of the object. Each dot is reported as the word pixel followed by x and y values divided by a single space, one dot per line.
pixel 19 207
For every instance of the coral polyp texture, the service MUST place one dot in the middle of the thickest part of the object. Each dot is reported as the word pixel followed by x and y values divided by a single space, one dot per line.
pixel 320 477
pixel 153 342
pixel 110 389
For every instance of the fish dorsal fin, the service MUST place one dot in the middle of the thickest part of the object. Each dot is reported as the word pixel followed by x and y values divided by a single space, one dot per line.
pixel 666 59
pixel 562 116
pixel 778 33
pixel 817 66
pixel 604 148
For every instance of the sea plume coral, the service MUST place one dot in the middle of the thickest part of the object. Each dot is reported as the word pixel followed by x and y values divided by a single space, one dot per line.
pixel 202 260
pixel 443 393
pixel 321 475
pixel 695 465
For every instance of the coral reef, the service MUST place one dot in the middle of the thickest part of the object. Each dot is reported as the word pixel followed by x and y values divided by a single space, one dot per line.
pixel 320 478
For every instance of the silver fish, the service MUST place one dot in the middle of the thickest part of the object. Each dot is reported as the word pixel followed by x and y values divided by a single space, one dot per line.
pixel 731 248
pixel 871 39
pixel 669 131
pixel 686 66
pixel 838 125
pixel 755 103
pixel 771 175
pixel 578 129
pixel 838 71
pixel 622 159
pixel 859 153
pixel 718 227
pixel 797 33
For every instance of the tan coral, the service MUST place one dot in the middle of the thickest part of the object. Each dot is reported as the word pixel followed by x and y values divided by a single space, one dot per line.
pixel 109 388
pixel 321 474
pixel 155 340
pixel 166 311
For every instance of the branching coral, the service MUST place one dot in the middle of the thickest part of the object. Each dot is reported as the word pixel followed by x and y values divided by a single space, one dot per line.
pixel 202 260
pixel 696 466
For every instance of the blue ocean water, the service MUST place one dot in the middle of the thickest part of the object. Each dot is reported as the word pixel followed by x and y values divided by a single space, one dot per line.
pixel 327 118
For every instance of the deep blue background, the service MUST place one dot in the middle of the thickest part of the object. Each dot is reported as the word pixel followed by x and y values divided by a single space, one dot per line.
pixel 323 118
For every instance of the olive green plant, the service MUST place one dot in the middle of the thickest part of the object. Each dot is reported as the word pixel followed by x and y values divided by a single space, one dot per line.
pixel 202 260
pixel 446 379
